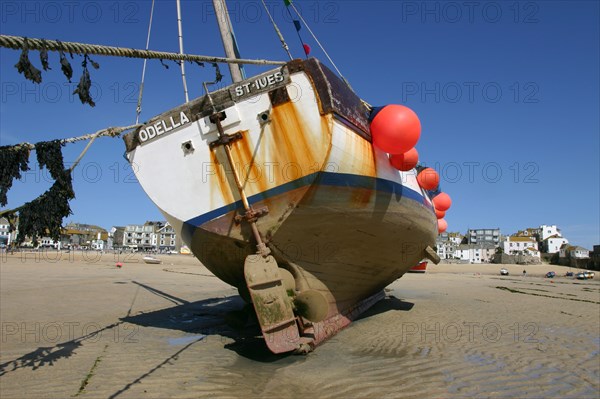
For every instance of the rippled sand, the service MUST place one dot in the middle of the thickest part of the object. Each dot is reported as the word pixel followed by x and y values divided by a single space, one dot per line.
pixel 80 326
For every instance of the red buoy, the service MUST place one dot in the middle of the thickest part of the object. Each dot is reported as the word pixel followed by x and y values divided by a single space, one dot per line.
pixel 440 214
pixel 442 225
pixel 428 179
pixel 395 129
pixel 442 202
pixel 405 161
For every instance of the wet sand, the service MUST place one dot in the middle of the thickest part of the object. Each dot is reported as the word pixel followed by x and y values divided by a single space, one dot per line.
pixel 79 326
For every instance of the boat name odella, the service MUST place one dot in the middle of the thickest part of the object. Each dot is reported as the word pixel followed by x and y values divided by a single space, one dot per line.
pixel 162 126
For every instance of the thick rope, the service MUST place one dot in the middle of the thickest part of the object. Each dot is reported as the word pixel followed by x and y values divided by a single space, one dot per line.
pixel 110 132
pixel 17 42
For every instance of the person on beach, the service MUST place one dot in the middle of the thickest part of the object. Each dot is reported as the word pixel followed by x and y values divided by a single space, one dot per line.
pixel 524 273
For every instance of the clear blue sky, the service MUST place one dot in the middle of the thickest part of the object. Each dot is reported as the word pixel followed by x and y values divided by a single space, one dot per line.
pixel 507 93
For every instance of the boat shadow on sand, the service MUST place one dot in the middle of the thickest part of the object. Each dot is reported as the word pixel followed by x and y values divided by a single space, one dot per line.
pixel 230 317
pixel 216 317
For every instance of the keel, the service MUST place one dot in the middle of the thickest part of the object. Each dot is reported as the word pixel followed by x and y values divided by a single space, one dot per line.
pixel 272 304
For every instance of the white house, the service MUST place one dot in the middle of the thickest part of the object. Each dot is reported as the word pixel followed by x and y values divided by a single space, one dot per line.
pixel 47 242
pixel 553 244
pixel 98 244
pixel 445 249
pixel 138 236
pixel 6 236
pixel 153 236
pixel 574 252
pixel 475 253
pixel 164 239
pixel 515 244
pixel 532 252
pixel 549 231
pixel 447 243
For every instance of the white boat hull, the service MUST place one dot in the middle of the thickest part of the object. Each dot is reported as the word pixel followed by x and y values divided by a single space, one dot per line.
pixel 340 218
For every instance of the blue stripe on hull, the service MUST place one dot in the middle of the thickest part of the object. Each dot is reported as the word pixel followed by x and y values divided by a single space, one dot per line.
pixel 325 179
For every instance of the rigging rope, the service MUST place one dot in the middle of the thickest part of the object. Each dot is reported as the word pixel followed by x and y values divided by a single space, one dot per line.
pixel 297 26
pixel 85 150
pixel 17 42
pixel 317 40
pixel 138 109
pixel 281 39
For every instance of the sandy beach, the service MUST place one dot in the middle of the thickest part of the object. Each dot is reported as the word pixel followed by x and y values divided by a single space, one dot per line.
pixel 76 325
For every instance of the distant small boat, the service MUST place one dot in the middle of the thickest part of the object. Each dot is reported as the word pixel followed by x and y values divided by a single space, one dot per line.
pixel 420 268
pixel 151 260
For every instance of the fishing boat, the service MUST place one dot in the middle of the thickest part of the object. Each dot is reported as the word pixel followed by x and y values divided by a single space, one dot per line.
pixel 276 187
pixel 420 268
pixel 151 260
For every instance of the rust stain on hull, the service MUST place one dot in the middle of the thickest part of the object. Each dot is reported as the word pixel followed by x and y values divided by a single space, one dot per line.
pixel 218 181
pixel 283 151
pixel 286 151
pixel 288 146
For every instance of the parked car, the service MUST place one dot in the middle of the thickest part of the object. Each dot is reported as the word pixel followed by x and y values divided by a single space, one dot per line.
pixel 503 272
pixel 550 275
pixel 585 275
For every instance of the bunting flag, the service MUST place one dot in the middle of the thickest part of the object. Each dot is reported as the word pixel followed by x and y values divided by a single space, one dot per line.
pixel 298 26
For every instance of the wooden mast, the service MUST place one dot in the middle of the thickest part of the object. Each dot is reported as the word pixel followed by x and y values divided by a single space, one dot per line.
pixel 181 64
pixel 227 37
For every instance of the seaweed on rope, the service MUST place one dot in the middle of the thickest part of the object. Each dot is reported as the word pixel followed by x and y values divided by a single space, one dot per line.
pixel 43 216
pixel 13 161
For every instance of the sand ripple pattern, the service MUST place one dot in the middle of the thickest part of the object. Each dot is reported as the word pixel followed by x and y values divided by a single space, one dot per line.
pixel 434 336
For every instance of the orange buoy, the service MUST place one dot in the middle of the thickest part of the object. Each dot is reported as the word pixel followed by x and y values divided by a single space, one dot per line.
pixel 442 202
pixel 119 265
pixel 440 214
pixel 395 129
pixel 442 225
pixel 428 179
pixel 405 161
